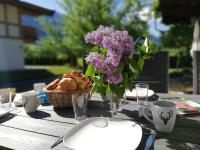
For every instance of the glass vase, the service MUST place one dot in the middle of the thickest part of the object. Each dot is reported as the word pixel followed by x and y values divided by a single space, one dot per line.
pixel 115 103
pixel 104 97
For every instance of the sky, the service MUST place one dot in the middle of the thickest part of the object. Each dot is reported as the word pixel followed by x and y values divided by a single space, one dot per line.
pixel 54 4
pixel 51 4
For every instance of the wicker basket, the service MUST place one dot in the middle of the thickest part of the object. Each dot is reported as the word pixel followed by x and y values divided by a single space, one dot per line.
pixel 62 99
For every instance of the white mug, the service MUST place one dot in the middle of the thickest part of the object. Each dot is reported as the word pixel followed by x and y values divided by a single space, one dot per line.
pixel 164 115
pixel 30 101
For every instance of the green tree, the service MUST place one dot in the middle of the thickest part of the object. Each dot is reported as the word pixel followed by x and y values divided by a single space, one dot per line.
pixel 179 37
pixel 50 47
pixel 83 16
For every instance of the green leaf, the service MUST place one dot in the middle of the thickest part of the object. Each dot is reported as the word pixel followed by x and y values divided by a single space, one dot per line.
pixel 95 49
pixel 131 68
pixel 94 88
pixel 119 69
pixel 108 90
pixel 139 42
pixel 140 63
pixel 146 44
pixel 112 87
pixel 96 79
pixel 90 70
pixel 125 78
pixel 103 52
pixel 120 91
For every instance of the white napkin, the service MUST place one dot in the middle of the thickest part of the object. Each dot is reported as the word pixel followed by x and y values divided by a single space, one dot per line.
pixel 132 94
pixel 18 100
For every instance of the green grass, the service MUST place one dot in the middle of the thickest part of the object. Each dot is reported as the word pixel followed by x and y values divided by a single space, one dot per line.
pixel 179 72
pixel 58 70
pixel 35 74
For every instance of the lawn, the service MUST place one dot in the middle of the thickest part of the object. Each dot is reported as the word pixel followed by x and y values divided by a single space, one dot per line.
pixel 34 73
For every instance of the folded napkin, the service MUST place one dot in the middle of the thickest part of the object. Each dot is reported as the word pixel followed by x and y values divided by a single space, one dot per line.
pixel 187 106
pixel 18 98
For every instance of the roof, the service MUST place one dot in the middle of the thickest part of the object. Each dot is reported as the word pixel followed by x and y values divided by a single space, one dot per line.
pixel 28 7
pixel 179 11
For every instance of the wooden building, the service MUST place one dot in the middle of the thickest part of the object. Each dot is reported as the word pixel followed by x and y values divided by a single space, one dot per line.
pixel 185 11
pixel 13 34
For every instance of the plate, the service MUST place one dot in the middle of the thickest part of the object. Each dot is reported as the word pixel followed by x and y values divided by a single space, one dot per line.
pixel 132 94
pixel 101 133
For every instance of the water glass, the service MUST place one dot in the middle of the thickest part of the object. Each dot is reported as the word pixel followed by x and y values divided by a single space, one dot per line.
pixel 5 100
pixel 142 96
pixel 79 101
pixel 38 87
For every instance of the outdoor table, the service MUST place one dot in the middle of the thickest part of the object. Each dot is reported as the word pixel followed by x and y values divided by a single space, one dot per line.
pixel 39 130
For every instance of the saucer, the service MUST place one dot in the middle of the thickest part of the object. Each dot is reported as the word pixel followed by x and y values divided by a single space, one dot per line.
pixel 132 94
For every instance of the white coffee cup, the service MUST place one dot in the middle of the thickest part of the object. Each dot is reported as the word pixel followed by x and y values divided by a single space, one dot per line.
pixel 30 101
pixel 164 115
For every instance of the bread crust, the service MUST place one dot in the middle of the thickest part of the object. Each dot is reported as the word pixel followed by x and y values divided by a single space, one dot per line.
pixel 67 84
pixel 53 84
pixel 72 81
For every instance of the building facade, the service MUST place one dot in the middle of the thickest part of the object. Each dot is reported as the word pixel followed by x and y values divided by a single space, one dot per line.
pixel 13 34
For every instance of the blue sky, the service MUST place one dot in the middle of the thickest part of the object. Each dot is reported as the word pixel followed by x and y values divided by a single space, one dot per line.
pixel 51 4
pixel 54 4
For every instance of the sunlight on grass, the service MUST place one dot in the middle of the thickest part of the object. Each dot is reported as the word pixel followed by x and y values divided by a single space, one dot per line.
pixel 58 70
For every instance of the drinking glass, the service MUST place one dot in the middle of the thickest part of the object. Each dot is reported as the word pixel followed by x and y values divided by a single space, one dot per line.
pixel 79 101
pixel 38 87
pixel 142 96
pixel 5 100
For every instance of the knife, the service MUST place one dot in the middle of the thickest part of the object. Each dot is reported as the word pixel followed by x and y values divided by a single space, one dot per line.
pixel 57 142
pixel 150 141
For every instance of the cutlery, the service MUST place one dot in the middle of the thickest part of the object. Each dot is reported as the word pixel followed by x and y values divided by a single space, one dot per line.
pixel 57 142
pixel 150 141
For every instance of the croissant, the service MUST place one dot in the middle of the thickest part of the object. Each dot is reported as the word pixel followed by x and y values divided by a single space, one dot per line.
pixel 82 85
pixel 53 84
pixel 77 76
pixel 67 84
pixel 89 84
pixel 74 80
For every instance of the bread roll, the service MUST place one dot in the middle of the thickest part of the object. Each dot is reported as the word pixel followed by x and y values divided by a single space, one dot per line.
pixel 89 85
pixel 60 89
pixel 77 76
pixel 82 85
pixel 67 84
pixel 66 75
pixel 53 84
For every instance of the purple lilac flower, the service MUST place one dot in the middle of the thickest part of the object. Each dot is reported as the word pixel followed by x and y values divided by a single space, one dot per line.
pixel 96 37
pixel 95 60
pixel 113 58
pixel 119 45
pixel 119 42
pixel 114 79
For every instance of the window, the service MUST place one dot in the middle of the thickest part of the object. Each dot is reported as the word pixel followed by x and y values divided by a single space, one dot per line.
pixel 13 31
pixel 2 13
pixel 2 29
pixel 12 14
pixel 9 21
